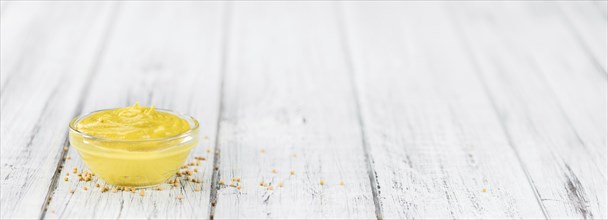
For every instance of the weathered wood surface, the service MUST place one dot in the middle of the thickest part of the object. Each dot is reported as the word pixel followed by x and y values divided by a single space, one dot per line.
pixel 566 164
pixel 290 110
pixel 431 129
pixel 48 53
pixel 423 110
pixel 177 69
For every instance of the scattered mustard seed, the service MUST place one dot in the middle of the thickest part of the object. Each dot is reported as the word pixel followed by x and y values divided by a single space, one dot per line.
pixel 281 184
pixel 65 179
pixel 341 183
pixel 142 192
pixel 221 182
pixel 484 190
pixel 274 170
pixel 198 187
pixel 292 172
pixel 322 182
pixel 71 191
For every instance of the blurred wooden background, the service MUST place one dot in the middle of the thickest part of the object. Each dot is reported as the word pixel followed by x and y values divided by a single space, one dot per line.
pixel 402 109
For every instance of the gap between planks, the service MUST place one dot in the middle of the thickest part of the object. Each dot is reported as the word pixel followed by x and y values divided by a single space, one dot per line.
pixel 512 137
pixel 216 158
pixel 356 97
pixel 504 129
pixel 84 93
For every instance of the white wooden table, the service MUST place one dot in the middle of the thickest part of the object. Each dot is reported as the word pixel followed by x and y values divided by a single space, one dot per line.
pixel 422 109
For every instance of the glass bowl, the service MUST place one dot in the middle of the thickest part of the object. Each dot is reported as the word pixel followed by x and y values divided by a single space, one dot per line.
pixel 134 163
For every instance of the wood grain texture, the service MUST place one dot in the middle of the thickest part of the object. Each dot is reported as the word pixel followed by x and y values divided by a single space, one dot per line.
pixel 587 23
pixel 47 53
pixel 437 146
pixel 572 74
pixel 429 110
pixel 288 106
pixel 163 54
pixel 565 158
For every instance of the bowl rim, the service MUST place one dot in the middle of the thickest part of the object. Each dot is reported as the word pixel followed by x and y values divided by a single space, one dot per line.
pixel 190 131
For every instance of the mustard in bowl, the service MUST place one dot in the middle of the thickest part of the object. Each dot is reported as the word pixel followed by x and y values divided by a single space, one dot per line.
pixel 135 146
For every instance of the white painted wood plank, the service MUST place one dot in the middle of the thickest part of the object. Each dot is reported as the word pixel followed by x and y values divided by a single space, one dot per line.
pixel 580 86
pixel 567 162
pixel 590 27
pixel 287 91
pixel 166 54
pixel 437 146
pixel 48 50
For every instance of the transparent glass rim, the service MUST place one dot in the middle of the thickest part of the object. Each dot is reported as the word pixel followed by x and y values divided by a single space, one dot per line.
pixel 187 133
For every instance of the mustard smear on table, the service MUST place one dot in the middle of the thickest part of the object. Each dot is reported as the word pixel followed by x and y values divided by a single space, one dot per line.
pixel 135 145
pixel 132 123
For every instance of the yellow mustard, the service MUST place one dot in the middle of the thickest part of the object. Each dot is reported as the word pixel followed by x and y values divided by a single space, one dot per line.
pixel 133 123
pixel 134 146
